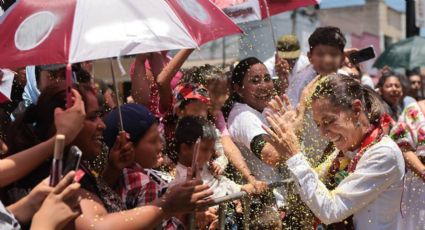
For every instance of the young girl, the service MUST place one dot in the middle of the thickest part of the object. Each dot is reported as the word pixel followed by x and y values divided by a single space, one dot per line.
pixel 216 82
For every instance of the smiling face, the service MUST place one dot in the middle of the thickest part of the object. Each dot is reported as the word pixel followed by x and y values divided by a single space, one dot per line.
pixel 90 138
pixel 336 124
pixel 257 87
pixel 392 91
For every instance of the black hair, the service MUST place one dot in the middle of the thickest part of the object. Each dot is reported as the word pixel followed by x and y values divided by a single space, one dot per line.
pixel 190 128
pixel 414 71
pixel 341 90
pixel 81 75
pixel 241 69
pixel 238 74
pixel 36 124
pixel 328 35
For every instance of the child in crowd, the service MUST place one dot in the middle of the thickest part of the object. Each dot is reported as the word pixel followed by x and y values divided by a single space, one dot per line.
pixel 326 56
pixel 217 84
pixel 139 184
pixel 188 130
pixel 192 100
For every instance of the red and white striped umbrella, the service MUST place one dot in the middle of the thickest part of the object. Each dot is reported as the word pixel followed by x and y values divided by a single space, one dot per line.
pixel 37 32
pixel 251 10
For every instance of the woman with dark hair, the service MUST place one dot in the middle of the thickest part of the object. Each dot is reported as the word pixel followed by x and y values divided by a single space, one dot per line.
pixel 98 200
pixel 37 126
pixel 252 89
pixel 393 88
pixel 363 178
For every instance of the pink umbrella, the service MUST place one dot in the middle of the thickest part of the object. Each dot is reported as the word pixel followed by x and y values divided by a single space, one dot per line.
pixel 36 32
pixel 250 10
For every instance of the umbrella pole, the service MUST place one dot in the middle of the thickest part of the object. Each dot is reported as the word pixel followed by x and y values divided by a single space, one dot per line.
pixel 270 23
pixel 114 82
pixel 68 83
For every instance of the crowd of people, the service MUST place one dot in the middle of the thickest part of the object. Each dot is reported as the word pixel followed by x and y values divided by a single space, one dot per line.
pixel 350 150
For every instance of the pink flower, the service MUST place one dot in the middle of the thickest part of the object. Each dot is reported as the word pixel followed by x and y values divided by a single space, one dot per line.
pixel 412 113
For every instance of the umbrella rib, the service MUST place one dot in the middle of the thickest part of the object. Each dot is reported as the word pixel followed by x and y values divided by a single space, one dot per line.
pixel 114 82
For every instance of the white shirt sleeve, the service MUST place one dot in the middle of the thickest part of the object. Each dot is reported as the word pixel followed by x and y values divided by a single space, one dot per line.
pixel 375 172
pixel 245 127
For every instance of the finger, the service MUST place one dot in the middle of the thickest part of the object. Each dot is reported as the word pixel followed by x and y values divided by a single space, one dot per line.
pixel 287 102
pixel 274 123
pixel 70 192
pixel 273 105
pixel 280 122
pixel 200 188
pixel 127 147
pixel 117 144
pixel 78 102
pixel 67 180
pixel 272 134
pixel 201 195
pixel 280 103
pixel 275 129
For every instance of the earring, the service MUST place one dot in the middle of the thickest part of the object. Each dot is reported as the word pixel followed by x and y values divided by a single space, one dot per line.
pixel 358 123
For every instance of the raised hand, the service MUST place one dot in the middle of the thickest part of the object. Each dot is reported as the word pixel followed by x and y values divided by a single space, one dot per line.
pixel 121 154
pixel 284 108
pixel 69 122
pixel 282 132
pixel 186 197
pixel 60 207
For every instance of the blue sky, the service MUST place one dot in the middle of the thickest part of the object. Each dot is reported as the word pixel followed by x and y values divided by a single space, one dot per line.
pixel 396 4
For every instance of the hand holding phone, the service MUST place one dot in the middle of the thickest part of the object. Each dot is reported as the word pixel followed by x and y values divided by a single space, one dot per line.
pixel 73 160
pixel 56 169
pixel 362 55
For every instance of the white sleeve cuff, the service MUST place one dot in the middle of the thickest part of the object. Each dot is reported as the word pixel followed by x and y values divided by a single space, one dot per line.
pixel 298 165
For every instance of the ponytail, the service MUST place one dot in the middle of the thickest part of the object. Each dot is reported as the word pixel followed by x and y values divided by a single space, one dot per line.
pixel 374 105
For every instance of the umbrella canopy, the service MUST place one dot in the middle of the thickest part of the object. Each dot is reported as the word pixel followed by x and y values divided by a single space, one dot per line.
pixel 6 83
pixel 250 10
pixel 37 32
pixel 407 54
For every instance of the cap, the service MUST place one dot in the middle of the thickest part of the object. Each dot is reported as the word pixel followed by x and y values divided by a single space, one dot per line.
pixel 189 91
pixel 136 119
pixel 288 47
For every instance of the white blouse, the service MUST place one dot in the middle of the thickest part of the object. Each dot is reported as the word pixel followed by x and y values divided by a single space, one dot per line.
pixel 372 192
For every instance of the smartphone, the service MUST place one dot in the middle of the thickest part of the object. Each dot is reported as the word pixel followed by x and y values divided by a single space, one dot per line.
pixel 362 55
pixel 195 157
pixel 73 160
pixel 56 169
